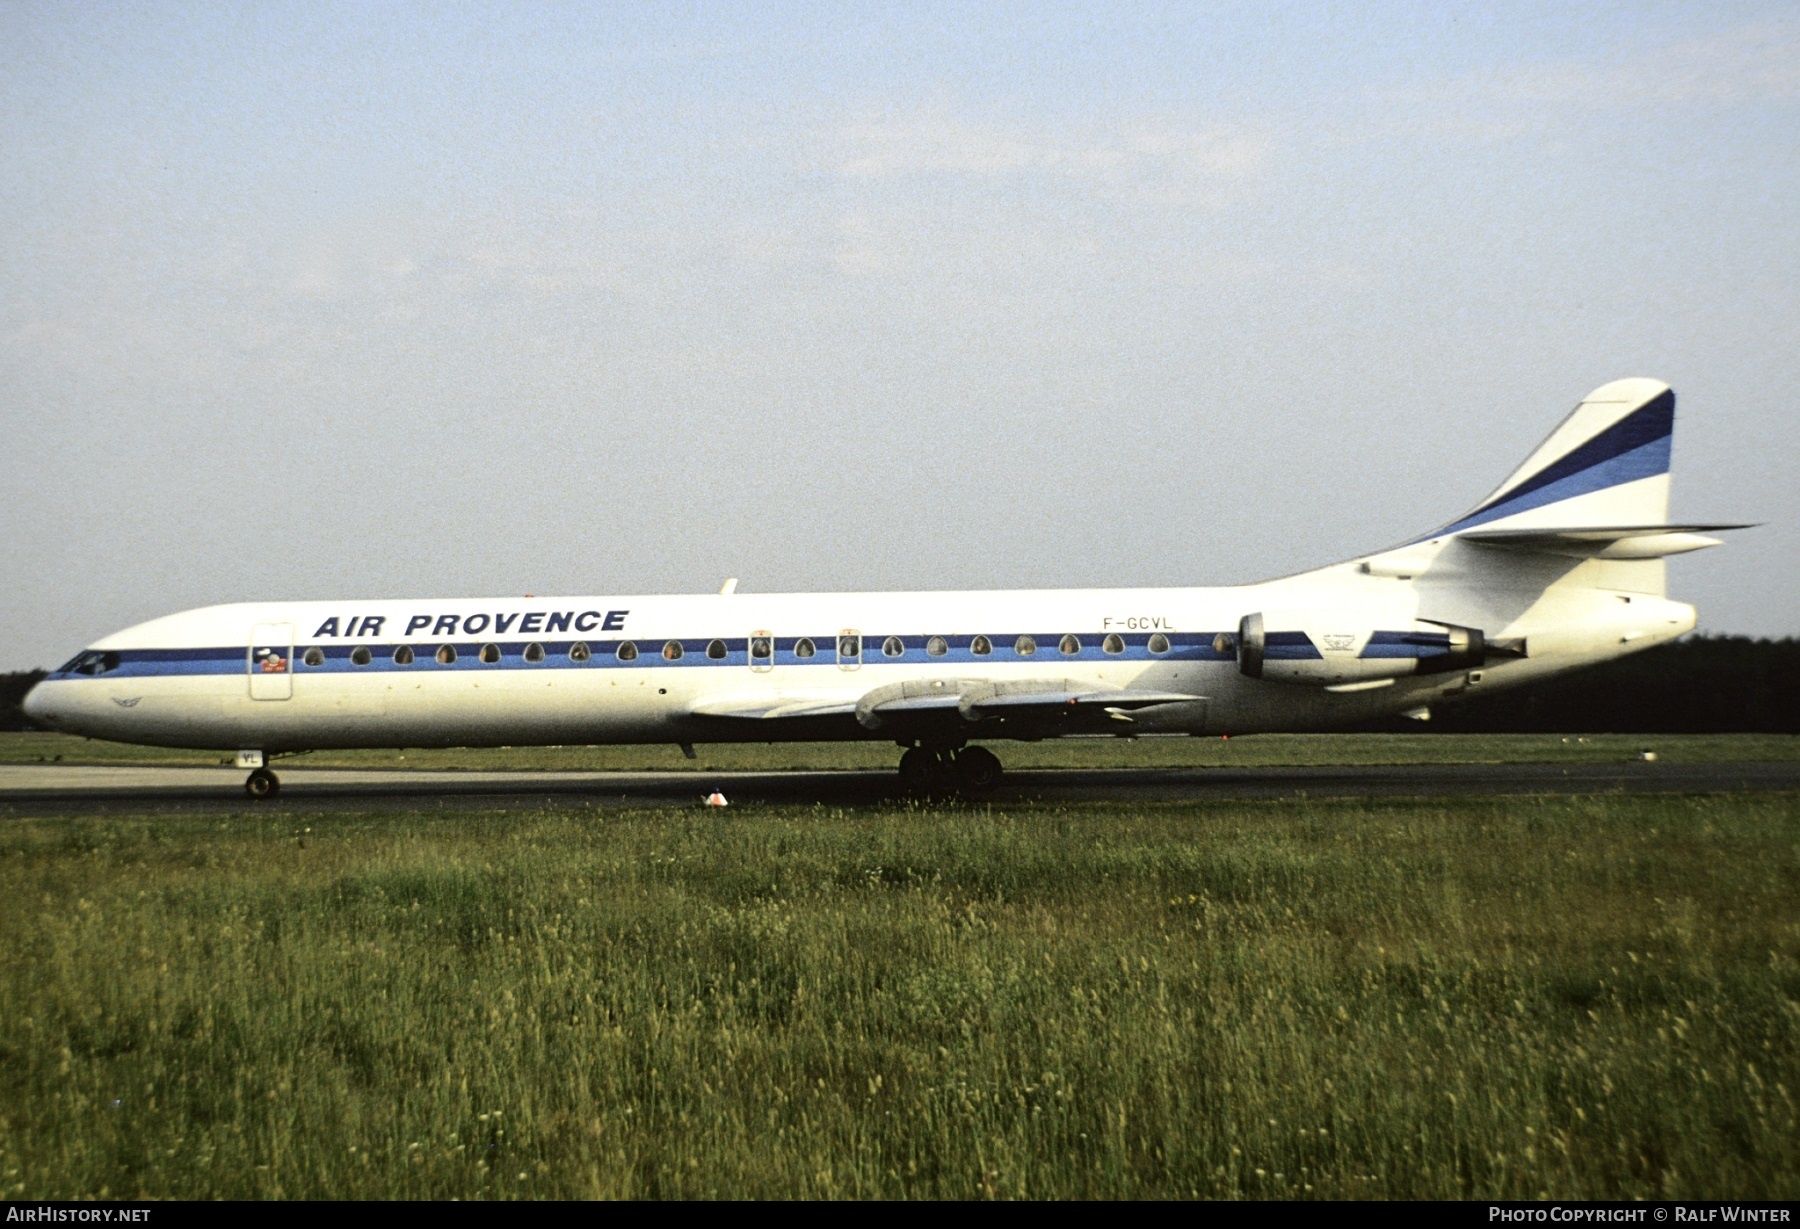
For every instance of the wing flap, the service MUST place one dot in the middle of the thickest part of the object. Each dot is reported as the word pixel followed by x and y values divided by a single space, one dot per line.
pixel 1016 703
pixel 916 704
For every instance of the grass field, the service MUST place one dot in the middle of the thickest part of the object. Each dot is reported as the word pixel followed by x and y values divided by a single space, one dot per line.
pixel 1259 751
pixel 1510 998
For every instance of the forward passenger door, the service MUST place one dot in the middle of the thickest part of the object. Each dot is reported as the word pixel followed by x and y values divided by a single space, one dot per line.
pixel 270 661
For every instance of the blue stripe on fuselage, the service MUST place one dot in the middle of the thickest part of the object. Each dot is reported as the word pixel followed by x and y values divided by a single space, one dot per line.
pixel 1183 647
pixel 152 662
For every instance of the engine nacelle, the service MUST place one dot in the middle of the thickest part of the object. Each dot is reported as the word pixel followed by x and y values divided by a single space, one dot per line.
pixel 1323 648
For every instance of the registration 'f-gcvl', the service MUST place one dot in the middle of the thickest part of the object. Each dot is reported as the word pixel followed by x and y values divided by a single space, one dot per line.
pixel 1562 566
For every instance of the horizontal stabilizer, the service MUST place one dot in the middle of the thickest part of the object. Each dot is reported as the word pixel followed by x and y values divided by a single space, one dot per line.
pixel 1603 541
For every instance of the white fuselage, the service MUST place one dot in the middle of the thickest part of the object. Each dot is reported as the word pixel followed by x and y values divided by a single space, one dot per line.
pixel 305 675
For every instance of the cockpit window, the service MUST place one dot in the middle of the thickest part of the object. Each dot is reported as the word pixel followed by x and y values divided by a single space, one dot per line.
pixel 94 662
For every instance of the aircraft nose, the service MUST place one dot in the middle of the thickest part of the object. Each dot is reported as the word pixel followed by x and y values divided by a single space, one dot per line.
pixel 37 706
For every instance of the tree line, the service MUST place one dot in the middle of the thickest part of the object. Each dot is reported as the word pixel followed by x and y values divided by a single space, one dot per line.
pixel 1700 685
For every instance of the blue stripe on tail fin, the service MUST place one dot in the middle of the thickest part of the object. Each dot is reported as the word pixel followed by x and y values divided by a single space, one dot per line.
pixel 1608 442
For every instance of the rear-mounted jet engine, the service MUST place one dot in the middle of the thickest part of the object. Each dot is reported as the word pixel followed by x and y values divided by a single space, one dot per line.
pixel 1321 648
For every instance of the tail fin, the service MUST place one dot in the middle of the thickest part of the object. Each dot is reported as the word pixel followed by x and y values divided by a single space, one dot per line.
pixel 1597 490
pixel 1606 465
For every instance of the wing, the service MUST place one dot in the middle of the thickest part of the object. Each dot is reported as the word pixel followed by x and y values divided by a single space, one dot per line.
pixel 776 705
pixel 1038 708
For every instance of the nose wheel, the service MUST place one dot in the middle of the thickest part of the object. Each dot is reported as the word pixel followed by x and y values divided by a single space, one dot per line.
pixel 262 784
pixel 932 772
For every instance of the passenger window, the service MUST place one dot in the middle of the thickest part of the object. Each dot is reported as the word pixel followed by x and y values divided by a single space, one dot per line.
pixel 1025 646
pixel 1069 646
pixel 403 656
pixel 1223 643
pixel 446 655
pixel 1159 643
pixel 579 651
pixel 893 646
pixel 937 646
pixel 716 650
pixel 849 651
pixel 627 651
pixel 804 648
pixel 981 646
pixel 1112 644
pixel 490 653
pixel 315 656
pixel 672 651
pixel 534 652
pixel 360 655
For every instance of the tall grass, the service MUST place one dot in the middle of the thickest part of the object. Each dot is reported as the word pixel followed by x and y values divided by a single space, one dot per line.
pixel 1258 751
pixel 1518 998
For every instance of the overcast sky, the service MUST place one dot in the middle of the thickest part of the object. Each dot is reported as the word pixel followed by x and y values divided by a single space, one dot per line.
pixel 315 301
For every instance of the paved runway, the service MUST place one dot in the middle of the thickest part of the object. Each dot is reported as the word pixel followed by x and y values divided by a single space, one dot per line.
pixel 65 789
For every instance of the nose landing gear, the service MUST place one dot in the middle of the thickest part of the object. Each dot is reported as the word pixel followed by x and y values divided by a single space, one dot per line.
pixel 944 772
pixel 262 784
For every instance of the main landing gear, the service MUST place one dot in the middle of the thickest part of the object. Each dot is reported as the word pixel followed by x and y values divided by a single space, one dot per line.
pixel 262 784
pixel 942 772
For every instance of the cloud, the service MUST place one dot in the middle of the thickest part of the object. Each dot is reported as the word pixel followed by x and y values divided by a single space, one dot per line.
pixel 1152 158
pixel 1759 63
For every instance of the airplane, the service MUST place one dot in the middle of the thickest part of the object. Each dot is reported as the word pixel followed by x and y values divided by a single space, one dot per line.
pixel 1562 566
